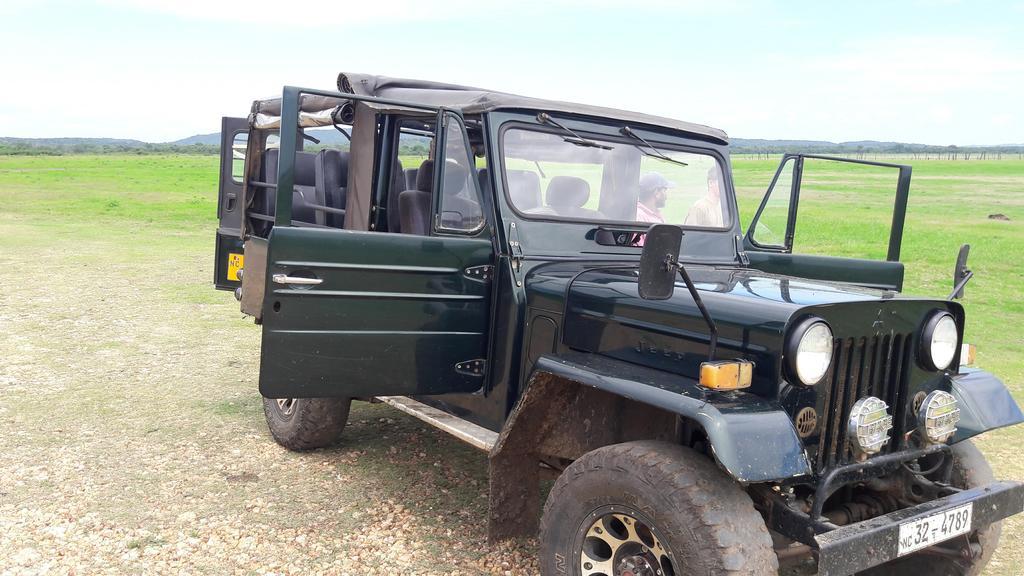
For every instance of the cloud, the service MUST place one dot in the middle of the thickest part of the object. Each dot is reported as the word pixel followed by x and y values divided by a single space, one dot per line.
pixel 922 65
pixel 338 15
pixel 307 13
pixel 931 89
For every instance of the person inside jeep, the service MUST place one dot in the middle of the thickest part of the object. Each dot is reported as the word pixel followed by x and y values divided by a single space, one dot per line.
pixel 707 212
pixel 652 197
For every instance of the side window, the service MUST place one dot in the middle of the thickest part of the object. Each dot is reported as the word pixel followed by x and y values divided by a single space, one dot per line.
pixel 861 228
pixel 459 207
pixel 238 146
pixel 868 192
pixel 770 228
pixel 415 144
pixel 412 178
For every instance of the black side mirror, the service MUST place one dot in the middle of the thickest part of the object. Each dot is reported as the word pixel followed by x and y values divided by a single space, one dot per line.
pixel 658 267
pixel 961 274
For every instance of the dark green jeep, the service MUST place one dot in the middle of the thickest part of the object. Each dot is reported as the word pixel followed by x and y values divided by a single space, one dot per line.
pixel 568 288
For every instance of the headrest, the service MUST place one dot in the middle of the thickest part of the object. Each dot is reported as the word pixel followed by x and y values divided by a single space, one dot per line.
pixel 455 175
pixel 425 176
pixel 334 162
pixel 567 192
pixel 305 167
pixel 524 189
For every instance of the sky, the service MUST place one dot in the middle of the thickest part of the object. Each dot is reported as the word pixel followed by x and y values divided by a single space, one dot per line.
pixel 939 72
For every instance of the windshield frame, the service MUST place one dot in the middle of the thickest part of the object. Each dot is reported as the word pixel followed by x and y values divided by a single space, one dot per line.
pixel 730 218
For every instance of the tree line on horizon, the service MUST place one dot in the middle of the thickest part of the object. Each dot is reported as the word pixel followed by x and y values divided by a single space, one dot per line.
pixel 739 146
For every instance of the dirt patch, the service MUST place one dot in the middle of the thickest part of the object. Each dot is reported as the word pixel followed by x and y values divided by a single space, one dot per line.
pixel 132 439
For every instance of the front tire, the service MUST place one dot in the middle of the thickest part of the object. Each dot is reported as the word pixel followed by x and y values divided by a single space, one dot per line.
pixel 301 424
pixel 649 508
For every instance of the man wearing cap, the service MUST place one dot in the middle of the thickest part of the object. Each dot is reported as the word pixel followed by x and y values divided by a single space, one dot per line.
pixel 651 199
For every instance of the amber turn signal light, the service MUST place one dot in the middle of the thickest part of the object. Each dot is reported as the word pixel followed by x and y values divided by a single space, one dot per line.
pixel 726 374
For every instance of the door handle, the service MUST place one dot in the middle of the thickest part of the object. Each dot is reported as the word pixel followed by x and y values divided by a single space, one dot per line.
pixel 286 279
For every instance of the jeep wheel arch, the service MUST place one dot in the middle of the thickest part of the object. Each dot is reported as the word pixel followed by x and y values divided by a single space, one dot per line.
pixel 575 403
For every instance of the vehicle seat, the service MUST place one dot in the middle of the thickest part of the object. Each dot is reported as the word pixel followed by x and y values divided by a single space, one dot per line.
pixel 424 177
pixel 410 178
pixel 461 208
pixel 485 181
pixel 414 204
pixel 393 212
pixel 414 208
pixel 566 195
pixel 411 213
pixel 332 184
pixel 524 189
pixel 304 192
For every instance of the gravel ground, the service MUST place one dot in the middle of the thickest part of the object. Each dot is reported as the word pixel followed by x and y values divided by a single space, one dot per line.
pixel 132 438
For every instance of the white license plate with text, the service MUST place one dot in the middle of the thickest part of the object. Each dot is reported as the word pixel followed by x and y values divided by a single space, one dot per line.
pixel 933 529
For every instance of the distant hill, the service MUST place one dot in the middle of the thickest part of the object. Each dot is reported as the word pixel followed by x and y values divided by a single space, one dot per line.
pixel 753 142
pixel 861 147
pixel 59 146
pixel 210 144
pixel 327 136
pixel 68 142
pixel 212 138
pixel 331 137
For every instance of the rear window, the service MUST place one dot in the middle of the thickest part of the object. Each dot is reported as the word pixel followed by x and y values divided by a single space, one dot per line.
pixel 547 176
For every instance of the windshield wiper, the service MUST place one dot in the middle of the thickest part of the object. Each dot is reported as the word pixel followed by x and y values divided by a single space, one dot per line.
pixel 576 139
pixel 653 151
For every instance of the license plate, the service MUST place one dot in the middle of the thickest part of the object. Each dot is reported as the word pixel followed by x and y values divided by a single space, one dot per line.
pixel 933 529
pixel 235 262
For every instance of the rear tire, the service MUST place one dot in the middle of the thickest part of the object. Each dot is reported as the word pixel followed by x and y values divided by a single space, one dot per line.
pixel 651 508
pixel 970 470
pixel 301 424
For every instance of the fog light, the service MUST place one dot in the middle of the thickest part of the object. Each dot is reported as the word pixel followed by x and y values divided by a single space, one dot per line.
pixel 869 425
pixel 938 416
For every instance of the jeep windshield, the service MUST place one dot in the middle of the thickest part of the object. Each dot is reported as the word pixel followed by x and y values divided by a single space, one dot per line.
pixel 627 182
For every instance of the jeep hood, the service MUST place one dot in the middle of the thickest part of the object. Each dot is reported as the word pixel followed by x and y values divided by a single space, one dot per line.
pixel 604 314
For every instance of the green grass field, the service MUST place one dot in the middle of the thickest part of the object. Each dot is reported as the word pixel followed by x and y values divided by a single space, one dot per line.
pixel 131 434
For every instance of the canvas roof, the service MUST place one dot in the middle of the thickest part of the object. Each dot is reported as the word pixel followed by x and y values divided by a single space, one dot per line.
pixel 471 100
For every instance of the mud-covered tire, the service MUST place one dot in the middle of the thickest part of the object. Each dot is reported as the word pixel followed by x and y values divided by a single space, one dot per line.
pixel 707 523
pixel 970 470
pixel 306 423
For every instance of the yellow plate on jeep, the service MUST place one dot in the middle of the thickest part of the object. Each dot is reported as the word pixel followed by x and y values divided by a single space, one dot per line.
pixel 235 262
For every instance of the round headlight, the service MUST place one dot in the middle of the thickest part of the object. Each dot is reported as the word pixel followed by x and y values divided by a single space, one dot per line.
pixel 869 425
pixel 938 416
pixel 810 351
pixel 940 340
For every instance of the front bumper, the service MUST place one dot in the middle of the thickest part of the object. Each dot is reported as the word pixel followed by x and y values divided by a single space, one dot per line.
pixel 860 546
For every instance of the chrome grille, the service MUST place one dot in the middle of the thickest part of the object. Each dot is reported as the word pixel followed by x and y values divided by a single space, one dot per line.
pixel 874 366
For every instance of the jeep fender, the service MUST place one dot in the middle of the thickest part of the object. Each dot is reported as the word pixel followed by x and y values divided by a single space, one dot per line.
pixel 752 439
pixel 985 403
pixel 560 413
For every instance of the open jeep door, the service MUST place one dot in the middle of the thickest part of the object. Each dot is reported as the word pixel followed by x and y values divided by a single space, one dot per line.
pixel 234 134
pixel 798 228
pixel 350 313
